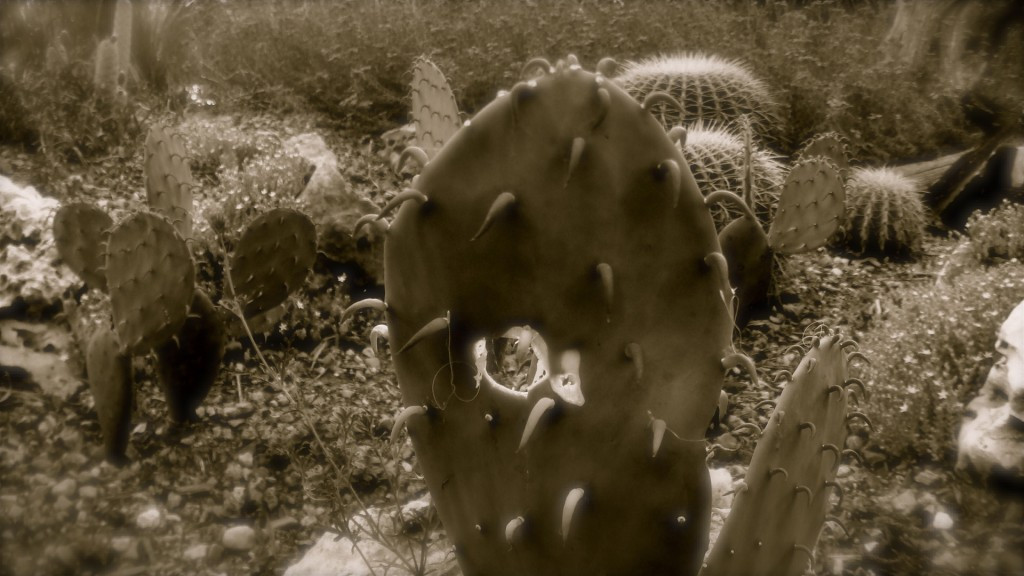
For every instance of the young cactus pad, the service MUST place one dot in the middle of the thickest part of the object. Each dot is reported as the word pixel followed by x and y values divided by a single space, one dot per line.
pixel 434 110
pixel 189 362
pixel 81 231
pixel 272 259
pixel 810 207
pixel 564 206
pixel 150 277
pixel 110 379
pixel 168 177
pixel 779 510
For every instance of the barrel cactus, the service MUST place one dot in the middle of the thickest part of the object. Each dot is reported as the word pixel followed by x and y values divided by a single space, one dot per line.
pixel 885 213
pixel 563 205
pixel 711 89
pixel 718 161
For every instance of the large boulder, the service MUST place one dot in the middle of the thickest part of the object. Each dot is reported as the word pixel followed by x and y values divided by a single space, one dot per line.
pixel 991 441
pixel 335 210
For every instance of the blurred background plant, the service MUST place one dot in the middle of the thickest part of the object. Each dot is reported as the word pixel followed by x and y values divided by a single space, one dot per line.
pixel 350 59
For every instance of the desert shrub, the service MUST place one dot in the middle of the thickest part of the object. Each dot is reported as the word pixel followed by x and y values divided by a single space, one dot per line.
pixel 931 355
pixel 997 235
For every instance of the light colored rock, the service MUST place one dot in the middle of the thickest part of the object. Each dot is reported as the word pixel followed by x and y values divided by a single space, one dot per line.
pixel 65 488
pixel 905 502
pixel 26 213
pixel 150 519
pixel 721 488
pixel 239 538
pixel 942 521
pixel 1011 346
pixel 334 556
pixel 991 439
pixel 335 210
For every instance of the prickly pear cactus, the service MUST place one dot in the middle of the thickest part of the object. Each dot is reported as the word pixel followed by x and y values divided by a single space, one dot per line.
pixel 150 277
pixel 105 72
pixel 110 379
pixel 780 508
pixel 434 110
pixel 750 258
pixel 884 214
pixel 830 146
pixel 189 362
pixel 810 207
pixel 272 259
pixel 168 177
pixel 81 231
pixel 562 205
pixel 717 160
pixel 711 89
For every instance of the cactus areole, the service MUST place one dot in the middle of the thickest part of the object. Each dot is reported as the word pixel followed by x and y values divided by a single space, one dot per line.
pixel 603 250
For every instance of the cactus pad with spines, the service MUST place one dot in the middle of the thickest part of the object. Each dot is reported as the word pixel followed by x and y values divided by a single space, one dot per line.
pixel 829 145
pixel 884 214
pixel 717 160
pixel 272 258
pixel 150 278
pixel 168 177
pixel 110 379
pixel 81 231
pixel 563 206
pixel 434 110
pixel 810 207
pixel 711 90
pixel 778 513
pixel 189 362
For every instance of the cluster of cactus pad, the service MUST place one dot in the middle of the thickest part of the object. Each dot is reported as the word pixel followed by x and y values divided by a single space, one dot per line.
pixel 885 213
pixel 565 206
pixel 712 90
pixel 143 263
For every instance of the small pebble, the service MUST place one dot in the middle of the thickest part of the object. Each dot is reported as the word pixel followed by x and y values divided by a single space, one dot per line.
pixel 240 538
pixel 65 488
pixel 88 492
pixel 245 458
pixel 173 500
pixel 942 521
pixel 149 519
pixel 195 553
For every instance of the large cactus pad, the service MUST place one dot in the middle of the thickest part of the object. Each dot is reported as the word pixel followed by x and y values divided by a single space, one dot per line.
pixel 562 205
pixel 434 109
pixel 779 511
pixel 168 177
pixel 150 277
pixel 272 258
pixel 80 231
pixel 810 208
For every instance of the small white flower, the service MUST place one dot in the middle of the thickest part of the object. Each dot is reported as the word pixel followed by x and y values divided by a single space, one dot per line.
pixel 904 407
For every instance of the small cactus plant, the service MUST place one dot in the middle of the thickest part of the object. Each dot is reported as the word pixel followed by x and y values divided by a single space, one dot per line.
pixel 144 263
pixel 434 110
pixel 885 213
pixel 565 205
pixel 711 89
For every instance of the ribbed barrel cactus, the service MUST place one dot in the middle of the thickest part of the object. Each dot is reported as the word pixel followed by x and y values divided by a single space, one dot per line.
pixel 565 209
pixel 711 89
pixel 885 213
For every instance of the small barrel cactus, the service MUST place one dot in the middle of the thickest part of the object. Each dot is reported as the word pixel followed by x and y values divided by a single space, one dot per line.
pixel 884 214
pixel 717 160
pixel 711 89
